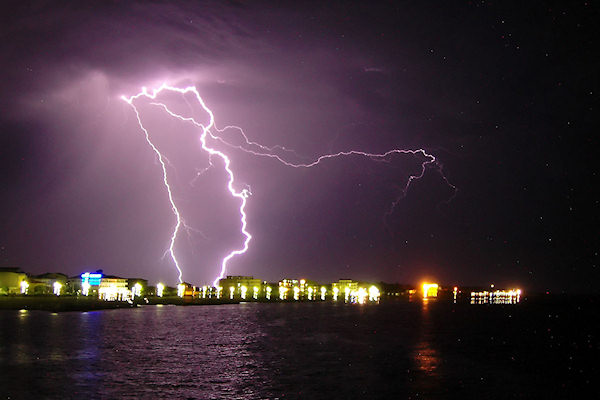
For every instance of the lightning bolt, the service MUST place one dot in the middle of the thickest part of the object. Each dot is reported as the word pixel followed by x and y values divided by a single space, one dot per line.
pixel 276 152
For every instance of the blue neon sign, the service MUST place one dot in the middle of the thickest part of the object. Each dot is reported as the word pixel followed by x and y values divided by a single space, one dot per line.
pixel 93 279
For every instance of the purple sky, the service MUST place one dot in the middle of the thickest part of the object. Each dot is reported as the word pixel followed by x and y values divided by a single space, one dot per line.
pixel 501 95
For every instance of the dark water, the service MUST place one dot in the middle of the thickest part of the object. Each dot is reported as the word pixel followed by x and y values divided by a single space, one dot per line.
pixel 303 351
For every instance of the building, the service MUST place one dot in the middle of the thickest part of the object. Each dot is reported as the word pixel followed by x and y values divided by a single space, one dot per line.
pixel 343 288
pixel 11 280
pixel 113 288
pixel 243 287
pixel 48 283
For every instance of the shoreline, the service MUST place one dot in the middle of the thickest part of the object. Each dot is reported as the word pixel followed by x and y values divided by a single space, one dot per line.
pixel 74 303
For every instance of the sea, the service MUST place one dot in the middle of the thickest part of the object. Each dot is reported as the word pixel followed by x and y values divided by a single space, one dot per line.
pixel 540 348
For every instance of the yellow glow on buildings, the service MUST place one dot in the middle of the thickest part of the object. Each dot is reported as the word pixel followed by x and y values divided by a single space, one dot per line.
pixel 113 292
pixel 430 290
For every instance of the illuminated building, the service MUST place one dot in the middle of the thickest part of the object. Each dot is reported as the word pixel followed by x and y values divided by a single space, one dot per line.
pixel 512 296
pixel 90 282
pixel 113 288
pixel 346 286
pixel 430 290
pixel 10 280
pixel 323 292
pixel 186 290
pixel 237 282
pixel 44 283
pixel 302 288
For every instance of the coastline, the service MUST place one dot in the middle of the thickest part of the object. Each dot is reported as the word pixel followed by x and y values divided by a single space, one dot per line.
pixel 81 303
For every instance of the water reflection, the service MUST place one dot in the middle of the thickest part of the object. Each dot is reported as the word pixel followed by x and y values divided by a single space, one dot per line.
pixel 426 357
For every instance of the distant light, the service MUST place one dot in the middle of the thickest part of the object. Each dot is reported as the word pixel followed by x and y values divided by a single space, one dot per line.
pixel 57 287
pixel 160 289
pixel 268 295
pixel 296 292
pixel 137 290
pixel 181 290
pixel 85 288
pixel 374 293
pixel 512 296
pixel 430 290
pixel 24 287
pixel 231 292
pixel 361 295
pixel 255 295
pixel 243 290
pixel 323 292
pixel 336 291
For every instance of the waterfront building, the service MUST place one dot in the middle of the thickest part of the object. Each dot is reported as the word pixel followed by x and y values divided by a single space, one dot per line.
pixel 343 288
pixel 46 283
pixel 114 288
pixel 238 286
pixel 11 280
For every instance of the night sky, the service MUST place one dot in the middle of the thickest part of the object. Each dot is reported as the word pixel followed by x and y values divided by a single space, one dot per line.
pixel 501 93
